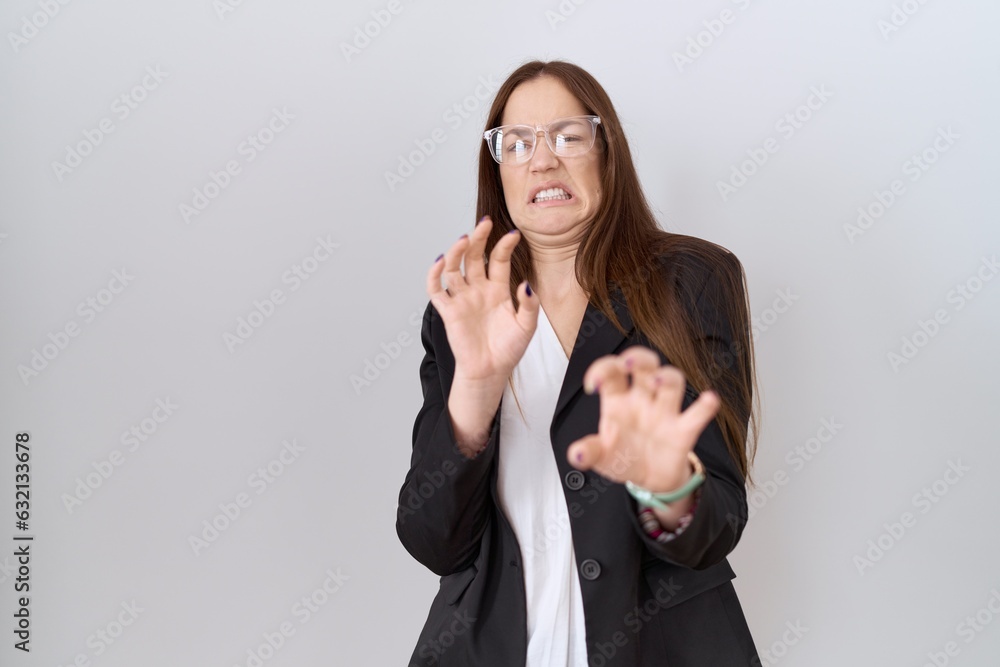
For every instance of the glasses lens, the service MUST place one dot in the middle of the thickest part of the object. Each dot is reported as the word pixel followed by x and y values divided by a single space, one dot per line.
pixel 516 143
pixel 572 136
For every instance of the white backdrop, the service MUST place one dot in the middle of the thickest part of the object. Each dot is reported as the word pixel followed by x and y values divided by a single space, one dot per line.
pixel 216 219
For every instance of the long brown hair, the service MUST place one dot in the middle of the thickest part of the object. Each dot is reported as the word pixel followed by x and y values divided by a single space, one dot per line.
pixel 624 246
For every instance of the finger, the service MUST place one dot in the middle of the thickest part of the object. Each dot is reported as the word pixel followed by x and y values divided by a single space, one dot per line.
pixel 669 394
pixel 700 413
pixel 586 452
pixel 642 364
pixel 439 297
pixel 499 268
pixel 453 265
pixel 475 264
pixel 527 311
pixel 607 375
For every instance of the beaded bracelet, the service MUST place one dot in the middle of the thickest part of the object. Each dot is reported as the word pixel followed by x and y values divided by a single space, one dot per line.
pixel 651 524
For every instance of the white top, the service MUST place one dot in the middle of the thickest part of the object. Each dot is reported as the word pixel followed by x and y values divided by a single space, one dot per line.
pixel 531 494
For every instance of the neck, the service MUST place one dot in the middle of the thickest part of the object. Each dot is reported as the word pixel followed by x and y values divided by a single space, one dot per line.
pixel 555 271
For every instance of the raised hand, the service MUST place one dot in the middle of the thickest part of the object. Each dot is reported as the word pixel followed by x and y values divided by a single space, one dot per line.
pixel 486 334
pixel 643 436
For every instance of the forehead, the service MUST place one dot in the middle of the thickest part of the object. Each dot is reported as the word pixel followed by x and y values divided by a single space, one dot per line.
pixel 539 101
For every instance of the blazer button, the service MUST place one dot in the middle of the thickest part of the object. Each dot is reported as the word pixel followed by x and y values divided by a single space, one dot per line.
pixel 574 480
pixel 590 569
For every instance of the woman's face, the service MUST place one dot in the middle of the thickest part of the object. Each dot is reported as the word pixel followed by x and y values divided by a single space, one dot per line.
pixel 538 102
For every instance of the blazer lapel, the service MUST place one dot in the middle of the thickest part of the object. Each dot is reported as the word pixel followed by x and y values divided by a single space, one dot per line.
pixel 596 338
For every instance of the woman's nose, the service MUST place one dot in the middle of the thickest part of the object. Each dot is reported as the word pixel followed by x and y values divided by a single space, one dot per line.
pixel 543 157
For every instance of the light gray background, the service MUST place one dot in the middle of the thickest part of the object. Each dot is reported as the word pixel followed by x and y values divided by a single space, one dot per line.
pixel 333 507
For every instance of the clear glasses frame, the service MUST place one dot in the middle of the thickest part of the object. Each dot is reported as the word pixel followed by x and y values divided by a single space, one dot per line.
pixel 563 146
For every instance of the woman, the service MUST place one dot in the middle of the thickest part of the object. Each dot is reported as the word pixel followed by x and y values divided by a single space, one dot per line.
pixel 566 378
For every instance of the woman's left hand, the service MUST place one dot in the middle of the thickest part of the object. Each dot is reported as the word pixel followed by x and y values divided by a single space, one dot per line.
pixel 643 436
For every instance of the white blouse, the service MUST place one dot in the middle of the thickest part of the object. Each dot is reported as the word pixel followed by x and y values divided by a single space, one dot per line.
pixel 532 498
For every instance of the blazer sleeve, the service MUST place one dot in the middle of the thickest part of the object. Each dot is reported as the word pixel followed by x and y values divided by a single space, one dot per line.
pixel 445 501
pixel 721 514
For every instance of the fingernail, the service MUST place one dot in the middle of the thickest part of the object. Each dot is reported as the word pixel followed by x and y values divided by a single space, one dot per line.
pixel 439 258
pixel 579 457
pixel 628 363
pixel 480 220
pixel 513 231
pixel 463 236
pixel 527 288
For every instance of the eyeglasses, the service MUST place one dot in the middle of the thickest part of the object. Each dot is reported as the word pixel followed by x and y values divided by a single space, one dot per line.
pixel 566 137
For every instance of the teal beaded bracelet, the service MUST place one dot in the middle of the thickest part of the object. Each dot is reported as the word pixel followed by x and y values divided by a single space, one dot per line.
pixel 647 498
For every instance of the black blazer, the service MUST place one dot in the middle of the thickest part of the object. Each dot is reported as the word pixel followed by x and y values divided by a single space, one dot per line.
pixel 645 603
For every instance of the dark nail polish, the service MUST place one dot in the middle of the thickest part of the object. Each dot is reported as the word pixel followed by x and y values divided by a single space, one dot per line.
pixel 463 236
pixel 527 288
pixel 579 457
pixel 512 231
pixel 439 258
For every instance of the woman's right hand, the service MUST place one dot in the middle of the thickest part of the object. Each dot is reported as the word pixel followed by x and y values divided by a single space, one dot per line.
pixel 486 334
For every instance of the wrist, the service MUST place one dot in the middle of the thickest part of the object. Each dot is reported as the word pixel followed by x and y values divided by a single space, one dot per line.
pixel 478 385
pixel 661 499
pixel 673 485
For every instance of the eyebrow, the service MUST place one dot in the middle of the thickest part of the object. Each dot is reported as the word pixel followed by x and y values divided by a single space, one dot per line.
pixel 555 123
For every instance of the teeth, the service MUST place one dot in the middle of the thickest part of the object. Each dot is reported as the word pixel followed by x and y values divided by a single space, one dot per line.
pixel 550 194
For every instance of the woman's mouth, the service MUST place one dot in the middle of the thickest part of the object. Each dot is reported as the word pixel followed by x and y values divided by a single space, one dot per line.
pixel 551 194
